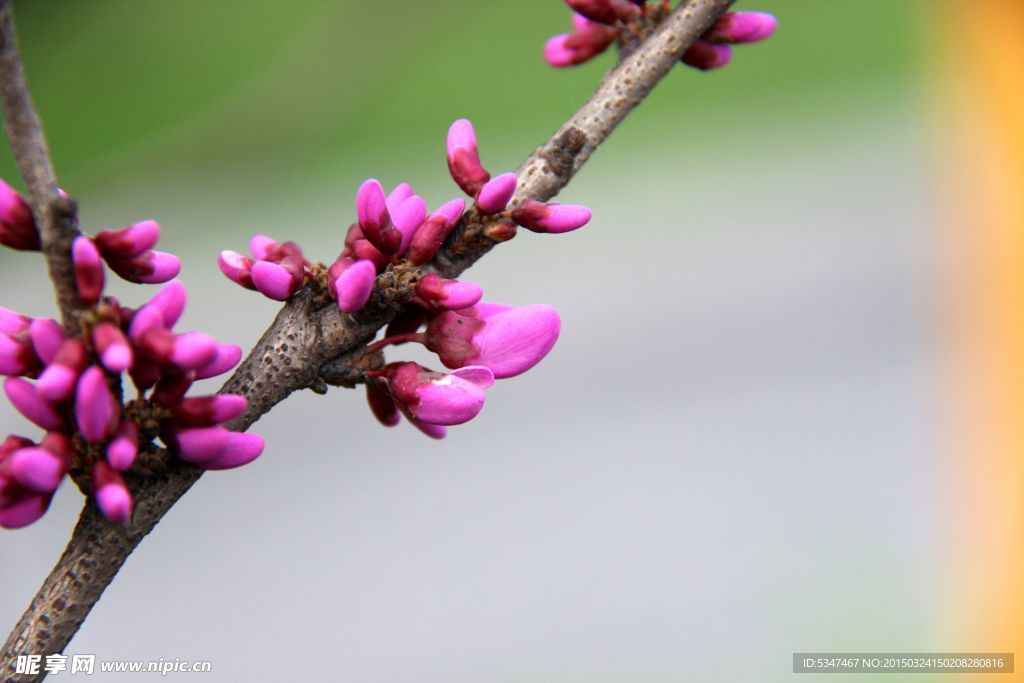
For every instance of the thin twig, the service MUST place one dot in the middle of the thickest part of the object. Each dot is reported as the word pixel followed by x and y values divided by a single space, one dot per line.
pixel 55 215
pixel 306 335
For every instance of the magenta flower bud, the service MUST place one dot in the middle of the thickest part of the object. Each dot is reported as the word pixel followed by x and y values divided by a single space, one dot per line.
pixel 362 250
pixel 428 239
pixel 124 447
pixel 355 285
pixel 37 469
pixel 554 218
pixel 97 412
pixel 602 11
pixel 128 242
pixel 57 381
pixel 171 389
pixel 227 357
pixel 154 268
pixel 399 194
pixel 111 493
pixel 47 336
pixel 508 342
pixel 241 449
pixel 278 281
pixel 207 411
pixel 382 405
pixel 374 219
pixel 26 399
pixel 261 247
pixel 145 319
pixel 706 56
pixel 113 347
pixel 464 158
pixel 451 294
pixel 496 193
pixel 236 268
pixel 88 270
pixel 26 509
pixel 741 27
pixel 201 444
pixel 557 54
pixel 193 350
pixel 12 322
pixel 17 357
pixel 170 301
pixel 17 226
pixel 433 397
pixel 408 218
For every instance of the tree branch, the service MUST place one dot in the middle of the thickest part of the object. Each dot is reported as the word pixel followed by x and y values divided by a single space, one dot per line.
pixel 55 215
pixel 307 334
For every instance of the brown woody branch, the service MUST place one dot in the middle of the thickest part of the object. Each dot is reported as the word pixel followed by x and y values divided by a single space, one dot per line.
pixel 308 335
pixel 55 215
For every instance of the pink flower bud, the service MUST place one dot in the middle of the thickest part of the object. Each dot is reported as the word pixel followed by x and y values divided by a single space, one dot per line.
pixel 355 285
pixel 553 218
pixel 741 27
pixel 408 218
pixel 88 270
pixel 154 268
pixel 47 336
pixel 193 350
pixel 278 281
pixel 170 301
pixel 241 449
pixel 450 294
pixel 706 56
pixel 507 342
pixel 496 193
pixel 362 250
pixel 428 239
pixel 227 357
pixel 57 381
pixel 17 357
pixel 557 54
pixel 201 444
pixel 382 405
pixel 261 246
pixel 603 11
pixel 145 319
pixel 124 447
pixel 26 399
pixel 236 268
pixel 17 226
pixel 26 509
pixel 128 242
pixel 111 493
pixel 12 322
pixel 97 412
pixel 37 469
pixel 433 397
pixel 399 194
pixel 588 40
pixel 433 431
pixel 374 219
pixel 464 158
pixel 207 411
pixel 114 349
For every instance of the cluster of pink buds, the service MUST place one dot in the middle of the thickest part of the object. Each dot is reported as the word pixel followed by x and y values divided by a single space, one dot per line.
pixel 598 23
pixel 92 432
pixel 480 342
pixel 396 227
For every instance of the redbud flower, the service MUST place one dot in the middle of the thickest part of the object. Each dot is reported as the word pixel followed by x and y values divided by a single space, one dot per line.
pixel 451 294
pixel 508 342
pixel 496 193
pixel 434 397
pixel 741 27
pixel 278 271
pixel 706 56
pixel 374 218
pixel 17 226
pixel 57 382
pixel 97 412
pixel 554 218
pixel 111 493
pixel 88 270
pixel 428 239
pixel 603 11
pixel 24 396
pixel 464 159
